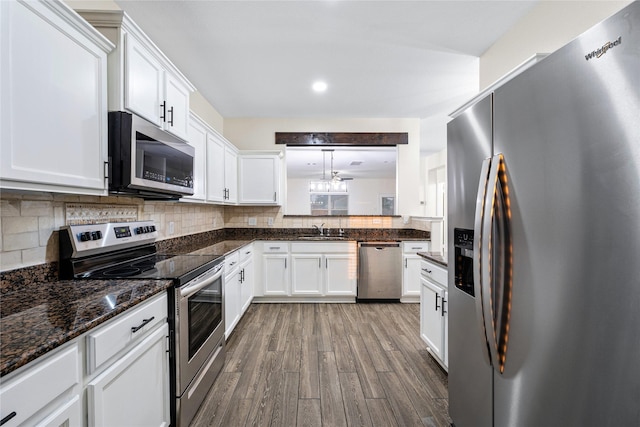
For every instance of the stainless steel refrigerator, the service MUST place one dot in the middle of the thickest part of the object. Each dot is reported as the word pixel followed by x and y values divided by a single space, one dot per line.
pixel 544 240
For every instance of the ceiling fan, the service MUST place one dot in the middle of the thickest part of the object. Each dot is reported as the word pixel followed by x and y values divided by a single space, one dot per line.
pixel 334 174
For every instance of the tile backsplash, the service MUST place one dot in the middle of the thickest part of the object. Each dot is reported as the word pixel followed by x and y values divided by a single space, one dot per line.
pixel 264 217
pixel 29 221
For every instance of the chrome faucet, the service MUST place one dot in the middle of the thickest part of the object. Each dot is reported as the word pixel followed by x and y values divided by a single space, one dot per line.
pixel 319 228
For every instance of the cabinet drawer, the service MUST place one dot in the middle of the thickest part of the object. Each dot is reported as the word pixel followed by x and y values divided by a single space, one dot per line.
pixel 40 385
pixel 413 247
pixel 320 247
pixel 275 247
pixel 246 252
pixel 434 272
pixel 231 262
pixel 108 340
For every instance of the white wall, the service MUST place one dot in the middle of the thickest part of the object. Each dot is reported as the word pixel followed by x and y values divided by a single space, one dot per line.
pixel 259 134
pixel 549 26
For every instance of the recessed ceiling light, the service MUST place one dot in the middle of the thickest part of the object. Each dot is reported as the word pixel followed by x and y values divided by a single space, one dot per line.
pixel 319 86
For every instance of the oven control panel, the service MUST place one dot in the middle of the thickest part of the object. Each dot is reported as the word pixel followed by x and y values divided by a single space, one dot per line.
pixel 95 238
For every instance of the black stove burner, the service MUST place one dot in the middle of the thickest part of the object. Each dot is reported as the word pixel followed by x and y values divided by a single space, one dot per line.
pixel 179 268
pixel 121 272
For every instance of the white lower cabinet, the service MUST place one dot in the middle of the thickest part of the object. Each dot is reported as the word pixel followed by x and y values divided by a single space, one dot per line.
pixel 44 393
pixel 231 293
pixel 246 277
pixel 312 271
pixel 433 311
pixel 130 355
pixel 411 269
pixel 238 286
pixel 117 374
pixel 341 274
pixel 135 389
pixel 275 274
pixel 306 274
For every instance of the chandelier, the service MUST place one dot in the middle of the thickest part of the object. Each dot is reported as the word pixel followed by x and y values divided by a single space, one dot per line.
pixel 328 185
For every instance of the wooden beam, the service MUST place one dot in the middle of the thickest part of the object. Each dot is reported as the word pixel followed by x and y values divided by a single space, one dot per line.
pixel 342 138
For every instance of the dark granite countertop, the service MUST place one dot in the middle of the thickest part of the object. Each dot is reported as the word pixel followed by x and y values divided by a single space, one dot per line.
pixel 433 257
pixel 223 248
pixel 39 314
pixel 36 320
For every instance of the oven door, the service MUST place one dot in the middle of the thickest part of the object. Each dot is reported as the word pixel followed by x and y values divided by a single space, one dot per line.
pixel 199 323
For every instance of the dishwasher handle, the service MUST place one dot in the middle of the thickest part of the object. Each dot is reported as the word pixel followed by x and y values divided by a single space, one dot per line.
pixel 379 246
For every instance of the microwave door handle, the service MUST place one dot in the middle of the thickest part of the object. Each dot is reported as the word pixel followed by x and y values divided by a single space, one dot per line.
pixel 478 258
pixel 187 291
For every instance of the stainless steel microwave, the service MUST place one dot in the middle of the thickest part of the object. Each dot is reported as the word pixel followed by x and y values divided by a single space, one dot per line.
pixel 146 161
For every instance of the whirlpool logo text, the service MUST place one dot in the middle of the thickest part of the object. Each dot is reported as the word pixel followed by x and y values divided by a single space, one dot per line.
pixel 601 51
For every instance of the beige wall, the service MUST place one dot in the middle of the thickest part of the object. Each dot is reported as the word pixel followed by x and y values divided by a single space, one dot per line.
pixel 259 134
pixel 199 105
pixel 550 25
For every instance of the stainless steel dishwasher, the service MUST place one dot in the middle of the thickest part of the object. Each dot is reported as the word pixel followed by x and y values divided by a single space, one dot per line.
pixel 379 271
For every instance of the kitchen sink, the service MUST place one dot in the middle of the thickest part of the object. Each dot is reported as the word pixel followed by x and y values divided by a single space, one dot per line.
pixel 317 237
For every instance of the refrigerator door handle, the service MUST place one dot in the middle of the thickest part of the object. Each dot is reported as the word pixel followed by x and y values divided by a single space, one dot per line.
pixel 497 262
pixel 478 258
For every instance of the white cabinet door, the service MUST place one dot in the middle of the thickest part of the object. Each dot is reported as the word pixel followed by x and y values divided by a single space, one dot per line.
pixel 246 285
pixel 215 169
pixel 144 82
pixel 29 396
pixel 259 179
pixel 431 319
pixel 197 138
pixel 306 274
pixel 67 415
pixel 135 389
pixel 53 100
pixel 340 274
pixel 231 302
pixel 275 274
pixel 176 95
pixel 231 174
pixel 411 277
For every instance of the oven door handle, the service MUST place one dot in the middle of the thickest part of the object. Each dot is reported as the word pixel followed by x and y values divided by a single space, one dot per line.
pixel 187 291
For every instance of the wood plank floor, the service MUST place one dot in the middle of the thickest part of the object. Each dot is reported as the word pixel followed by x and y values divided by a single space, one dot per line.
pixel 328 365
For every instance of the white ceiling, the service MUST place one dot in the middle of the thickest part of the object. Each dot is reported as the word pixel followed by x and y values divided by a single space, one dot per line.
pixel 379 58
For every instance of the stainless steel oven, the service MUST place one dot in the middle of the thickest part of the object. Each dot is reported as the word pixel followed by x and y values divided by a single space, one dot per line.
pixel 196 299
pixel 198 319
pixel 146 161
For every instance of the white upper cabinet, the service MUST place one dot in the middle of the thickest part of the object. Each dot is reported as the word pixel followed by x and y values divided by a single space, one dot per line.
pixel 259 179
pixel 143 81
pixel 53 99
pixel 231 173
pixel 141 78
pixel 222 169
pixel 197 138
pixel 216 189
